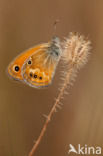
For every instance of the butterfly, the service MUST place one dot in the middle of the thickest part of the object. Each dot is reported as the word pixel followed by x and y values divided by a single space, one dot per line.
pixel 36 66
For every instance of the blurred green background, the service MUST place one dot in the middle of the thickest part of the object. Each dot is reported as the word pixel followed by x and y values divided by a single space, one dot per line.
pixel 24 24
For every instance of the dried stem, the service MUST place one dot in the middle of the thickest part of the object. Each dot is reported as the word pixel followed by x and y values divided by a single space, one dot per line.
pixel 61 93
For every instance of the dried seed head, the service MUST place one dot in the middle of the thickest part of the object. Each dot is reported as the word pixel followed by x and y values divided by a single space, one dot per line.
pixel 76 49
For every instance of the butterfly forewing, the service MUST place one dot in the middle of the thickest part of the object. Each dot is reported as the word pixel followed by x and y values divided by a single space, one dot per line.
pixel 14 68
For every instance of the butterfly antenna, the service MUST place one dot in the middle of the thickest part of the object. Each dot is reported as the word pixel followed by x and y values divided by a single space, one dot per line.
pixel 55 26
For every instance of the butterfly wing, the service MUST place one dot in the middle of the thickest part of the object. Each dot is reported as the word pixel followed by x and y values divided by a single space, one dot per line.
pixel 14 68
pixel 40 72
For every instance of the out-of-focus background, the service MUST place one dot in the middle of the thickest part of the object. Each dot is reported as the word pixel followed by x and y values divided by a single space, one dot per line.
pixel 24 24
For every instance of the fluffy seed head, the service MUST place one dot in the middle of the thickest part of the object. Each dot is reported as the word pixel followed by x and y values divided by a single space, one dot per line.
pixel 76 50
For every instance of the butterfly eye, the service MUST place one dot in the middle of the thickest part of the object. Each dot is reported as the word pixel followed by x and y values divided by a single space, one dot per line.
pixel 29 62
pixel 16 68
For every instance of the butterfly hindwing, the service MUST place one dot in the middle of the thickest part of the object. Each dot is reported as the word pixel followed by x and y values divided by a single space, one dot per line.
pixel 39 68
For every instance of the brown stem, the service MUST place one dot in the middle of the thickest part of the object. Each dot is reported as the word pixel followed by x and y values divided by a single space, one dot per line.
pixel 66 81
